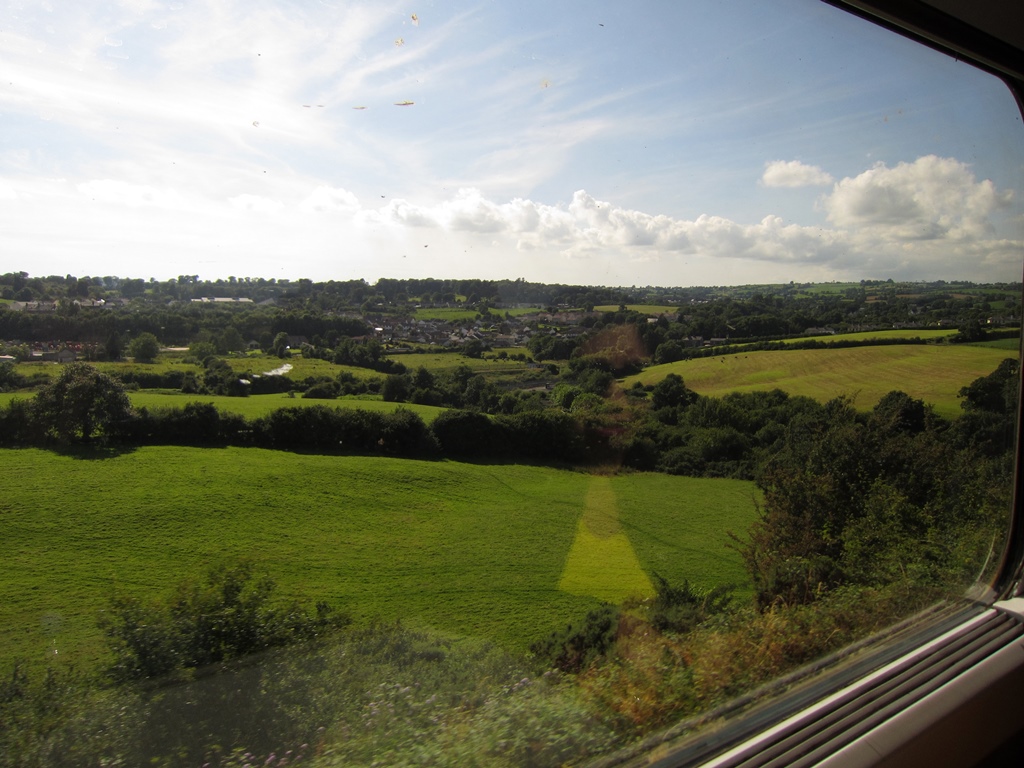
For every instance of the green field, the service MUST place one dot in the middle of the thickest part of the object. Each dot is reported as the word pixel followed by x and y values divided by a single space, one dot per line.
pixel 827 289
pixel 459 314
pixel 437 362
pixel 909 333
pixel 256 405
pixel 175 361
pixel 932 373
pixel 643 309
pixel 463 548
pixel 1012 345
pixel 260 405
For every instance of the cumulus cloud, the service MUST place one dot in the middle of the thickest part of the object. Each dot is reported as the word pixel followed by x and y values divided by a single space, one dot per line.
pixel 326 199
pixel 399 213
pixel 923 219
pixel 793 173
pixel 587 226
pixel 929 199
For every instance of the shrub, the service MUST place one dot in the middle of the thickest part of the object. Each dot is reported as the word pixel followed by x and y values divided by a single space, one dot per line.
pixel 681 609
pixel 466 433
pixel 576 647
pixel 225 617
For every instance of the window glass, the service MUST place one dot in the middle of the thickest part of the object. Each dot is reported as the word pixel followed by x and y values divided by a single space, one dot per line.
pixel 479 382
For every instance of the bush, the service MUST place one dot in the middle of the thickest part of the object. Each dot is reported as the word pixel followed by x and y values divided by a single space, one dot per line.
pixel 323 390
pixel 466 433
pixel 225 617
pixel 543 435
pixel 144 348
pixel 403 433
pixel 576 647
pixel 681 609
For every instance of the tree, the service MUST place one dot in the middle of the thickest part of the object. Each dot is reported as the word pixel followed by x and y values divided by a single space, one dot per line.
pixel 200 350
pixel 473 348
pixel 996 392
pixel 10 379
pixel 81 402
pixel 231 340
pixel 112 347
pixel 970 331
pixel 668 352
pixel 466 433
pixel 395 389
pixel 280 346
pixel 144 348
pixel 671 392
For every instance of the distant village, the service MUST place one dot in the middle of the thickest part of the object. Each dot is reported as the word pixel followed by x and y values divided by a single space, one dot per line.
pixel 509 316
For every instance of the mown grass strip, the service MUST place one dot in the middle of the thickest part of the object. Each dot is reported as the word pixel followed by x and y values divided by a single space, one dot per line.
pixel 602 562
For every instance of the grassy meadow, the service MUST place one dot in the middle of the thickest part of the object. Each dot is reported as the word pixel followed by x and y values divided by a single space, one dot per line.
pixel 260 364
pixel 261 405
pixel 440 362
pixel 256 405
pixel 459 314
pixel 481 550
pixel 644 309
pixel 933 373
pixel 908 333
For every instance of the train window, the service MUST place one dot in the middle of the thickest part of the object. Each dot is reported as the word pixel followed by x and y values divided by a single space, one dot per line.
pixel 492 383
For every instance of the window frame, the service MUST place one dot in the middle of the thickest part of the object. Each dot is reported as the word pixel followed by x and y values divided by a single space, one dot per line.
pixel 944 687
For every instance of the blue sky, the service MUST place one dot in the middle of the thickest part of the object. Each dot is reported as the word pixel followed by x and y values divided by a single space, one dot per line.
pixel 697 143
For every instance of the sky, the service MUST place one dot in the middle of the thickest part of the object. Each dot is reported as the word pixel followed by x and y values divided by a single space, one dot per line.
pixel 712 142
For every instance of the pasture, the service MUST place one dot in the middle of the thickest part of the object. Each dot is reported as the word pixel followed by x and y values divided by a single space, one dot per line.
pixel 643 309
pixel 261 405
pixel 460 314
pixel 441 362
pixel 258 364
pixel 467 549
pixel 909 333
pixel 255 405
pixel 933 373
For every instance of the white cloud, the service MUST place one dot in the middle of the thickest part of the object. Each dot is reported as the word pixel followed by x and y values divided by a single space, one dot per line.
pixel 931 198
pixel 326 199
pixel 399 213
pixel 793 173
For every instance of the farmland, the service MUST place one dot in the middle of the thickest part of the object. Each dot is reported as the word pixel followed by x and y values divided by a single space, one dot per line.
pixel 466 549
pixel 622 495
pixel 256 405
pixel 260 405
pixel 456 313
pixel 923 333
pixel 932 373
